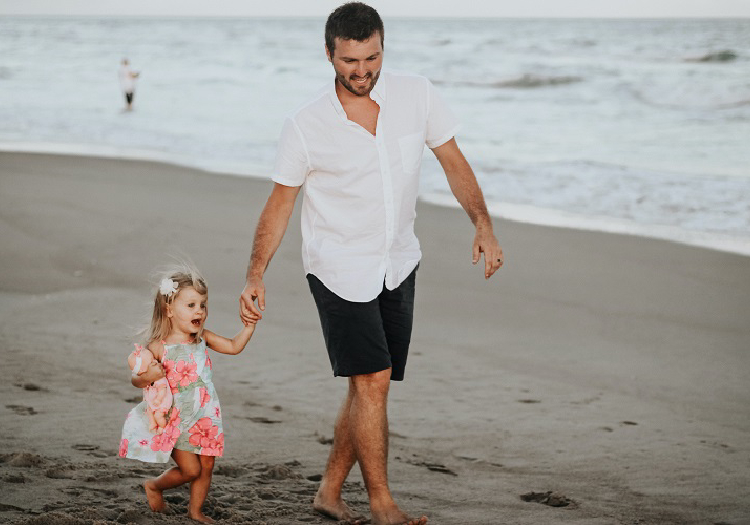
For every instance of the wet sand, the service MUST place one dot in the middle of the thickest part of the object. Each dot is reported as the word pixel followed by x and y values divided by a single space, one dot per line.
pixel 609 370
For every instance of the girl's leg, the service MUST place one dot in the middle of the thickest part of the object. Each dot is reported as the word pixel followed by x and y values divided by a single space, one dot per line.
pixel 199 490
pixel 188 469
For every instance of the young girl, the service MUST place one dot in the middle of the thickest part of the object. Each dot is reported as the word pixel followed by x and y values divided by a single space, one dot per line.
pixel 193 435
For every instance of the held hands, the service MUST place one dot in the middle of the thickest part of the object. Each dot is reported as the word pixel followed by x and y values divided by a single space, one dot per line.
pixel 486 242
pixel 254 289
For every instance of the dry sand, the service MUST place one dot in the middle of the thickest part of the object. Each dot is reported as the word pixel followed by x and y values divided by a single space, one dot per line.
pixel 611 370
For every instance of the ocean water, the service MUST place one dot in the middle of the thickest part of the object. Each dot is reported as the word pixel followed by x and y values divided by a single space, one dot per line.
pixel 631 126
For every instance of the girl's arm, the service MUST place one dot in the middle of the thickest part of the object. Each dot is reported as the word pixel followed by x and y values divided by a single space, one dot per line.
pixel 153 373
pixel 229 346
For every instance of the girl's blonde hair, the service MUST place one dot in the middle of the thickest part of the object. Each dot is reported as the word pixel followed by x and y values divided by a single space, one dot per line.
pixel 185 276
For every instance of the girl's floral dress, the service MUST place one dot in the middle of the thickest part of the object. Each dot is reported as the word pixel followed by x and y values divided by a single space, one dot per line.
pixel 193 423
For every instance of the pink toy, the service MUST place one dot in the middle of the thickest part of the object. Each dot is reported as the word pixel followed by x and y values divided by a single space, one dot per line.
pixel 158 395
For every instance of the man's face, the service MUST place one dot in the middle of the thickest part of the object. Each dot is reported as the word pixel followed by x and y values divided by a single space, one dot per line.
pixel 357 64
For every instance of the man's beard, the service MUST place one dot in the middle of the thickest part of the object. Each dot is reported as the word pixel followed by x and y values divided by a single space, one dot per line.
pixel 352 89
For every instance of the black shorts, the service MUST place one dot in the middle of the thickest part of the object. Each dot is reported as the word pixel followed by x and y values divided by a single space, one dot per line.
pixel 129 97
pixel 364 338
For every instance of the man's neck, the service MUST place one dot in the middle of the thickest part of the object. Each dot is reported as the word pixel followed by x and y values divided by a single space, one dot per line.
pixel 360 109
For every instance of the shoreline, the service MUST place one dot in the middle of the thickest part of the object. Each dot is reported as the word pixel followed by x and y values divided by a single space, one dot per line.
pixel 520 213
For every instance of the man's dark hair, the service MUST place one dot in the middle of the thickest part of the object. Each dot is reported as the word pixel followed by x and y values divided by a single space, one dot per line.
pixel 352 21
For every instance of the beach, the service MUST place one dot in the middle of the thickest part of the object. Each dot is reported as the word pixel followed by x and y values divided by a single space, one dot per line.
pixel 609 370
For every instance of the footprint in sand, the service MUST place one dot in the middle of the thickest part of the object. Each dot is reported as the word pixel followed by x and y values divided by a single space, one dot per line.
pixel 229 471
pixel 264 420
pixel 60 472
pixel 24 460
pixel 325 440
pixel 280 472
pixel 22 410
pixel 31 387
pixel 267 494
pixel 435 467
pixel 6 508
pixel 529 401
pixel 14 478
pixel 549 498
pixel 110 493
pixel 175 499
pixel 85 447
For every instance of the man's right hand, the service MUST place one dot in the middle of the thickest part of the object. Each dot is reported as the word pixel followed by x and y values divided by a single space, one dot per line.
pixel 254 289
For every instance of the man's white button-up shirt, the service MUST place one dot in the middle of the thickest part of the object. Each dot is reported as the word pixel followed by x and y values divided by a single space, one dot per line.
pixel 360 190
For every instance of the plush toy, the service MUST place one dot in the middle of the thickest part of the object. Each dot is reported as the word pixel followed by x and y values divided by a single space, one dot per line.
pixel 158 395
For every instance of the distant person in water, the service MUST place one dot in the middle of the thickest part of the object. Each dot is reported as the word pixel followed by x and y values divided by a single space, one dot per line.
pixel 127 83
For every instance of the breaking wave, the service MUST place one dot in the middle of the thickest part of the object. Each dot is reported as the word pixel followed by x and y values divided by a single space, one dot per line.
pixel 527 81
pixel 725 55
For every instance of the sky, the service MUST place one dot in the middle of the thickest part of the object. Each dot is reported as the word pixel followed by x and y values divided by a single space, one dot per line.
pixel 387 8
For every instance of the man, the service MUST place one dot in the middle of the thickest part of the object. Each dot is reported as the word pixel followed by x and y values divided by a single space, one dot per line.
pixel 356 149
pixel 127 83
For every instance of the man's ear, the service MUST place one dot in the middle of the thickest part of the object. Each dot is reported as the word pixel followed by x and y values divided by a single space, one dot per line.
pixel 328 54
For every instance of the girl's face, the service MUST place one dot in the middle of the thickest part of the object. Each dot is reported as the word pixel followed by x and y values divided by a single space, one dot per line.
pixel 188 311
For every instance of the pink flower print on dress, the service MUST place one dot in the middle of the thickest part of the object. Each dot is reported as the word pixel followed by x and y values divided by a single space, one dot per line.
pixel 174 417
pixel 208 360
pixel 168 370
pixel 167 439
pixel 123 448
pixel 203 432
pixel 217 411
pixel 215 447
pixel 143 442
pixel 182 374
pixel 205 397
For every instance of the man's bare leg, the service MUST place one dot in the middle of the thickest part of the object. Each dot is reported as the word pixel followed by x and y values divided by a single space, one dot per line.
pixel 369 426
pixel 340 462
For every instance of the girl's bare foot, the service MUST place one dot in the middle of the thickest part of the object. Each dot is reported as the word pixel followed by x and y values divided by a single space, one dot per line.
pixel 338 510
pixel 199 516
pixel 154 497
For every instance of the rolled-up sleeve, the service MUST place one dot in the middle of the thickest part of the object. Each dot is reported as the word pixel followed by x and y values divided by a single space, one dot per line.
pixel 442 124
pixel 292 162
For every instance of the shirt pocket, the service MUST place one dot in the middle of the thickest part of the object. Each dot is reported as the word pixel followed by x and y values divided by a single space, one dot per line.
pixel 412 148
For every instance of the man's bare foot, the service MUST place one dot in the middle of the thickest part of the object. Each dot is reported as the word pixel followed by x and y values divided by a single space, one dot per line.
pixel 395 516
pixel 199 516
pixel 154 497
pixel 338 510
